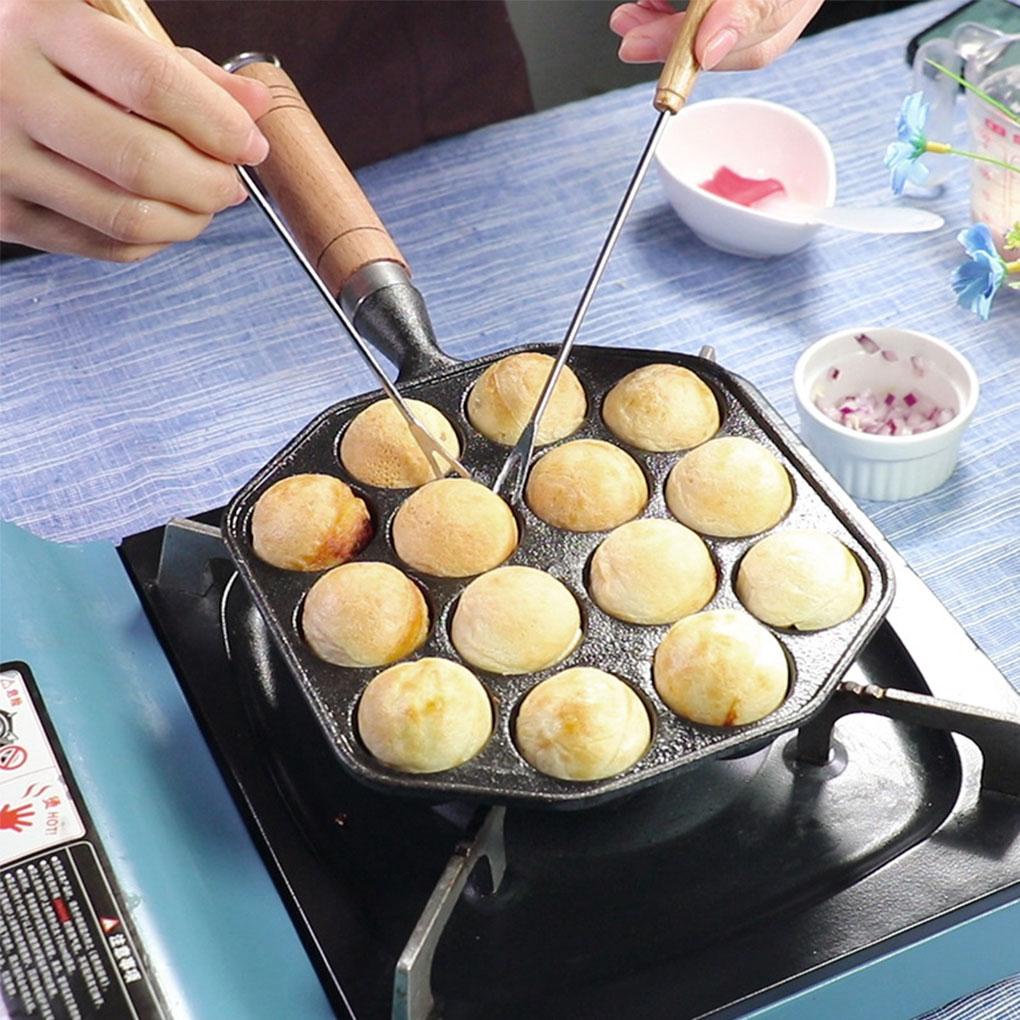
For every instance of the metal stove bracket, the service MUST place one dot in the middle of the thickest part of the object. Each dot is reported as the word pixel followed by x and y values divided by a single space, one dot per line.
pixel 412 981
pixel 187 548
pixel 997 734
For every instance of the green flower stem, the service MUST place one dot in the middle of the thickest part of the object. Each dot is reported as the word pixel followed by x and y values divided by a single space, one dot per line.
pixel 941 148
pixel 1001 107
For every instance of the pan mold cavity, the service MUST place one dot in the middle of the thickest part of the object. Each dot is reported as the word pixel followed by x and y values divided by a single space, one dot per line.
pixel 721 668
pixel 378 449
pixel 503 398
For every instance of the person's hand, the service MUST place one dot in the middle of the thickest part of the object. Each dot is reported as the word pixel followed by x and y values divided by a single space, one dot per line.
pixel 736 35
pixel 112 145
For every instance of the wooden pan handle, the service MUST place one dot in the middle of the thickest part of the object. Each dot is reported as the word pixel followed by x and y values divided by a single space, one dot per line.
pixel 325 207
pixel 681 68
pixel 333 221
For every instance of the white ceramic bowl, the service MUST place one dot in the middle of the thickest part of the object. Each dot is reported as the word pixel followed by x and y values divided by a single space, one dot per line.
pixel 756 139
pixel 884 467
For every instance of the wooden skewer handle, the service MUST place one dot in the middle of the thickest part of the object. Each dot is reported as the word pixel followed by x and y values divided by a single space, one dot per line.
pixel 681 68
pixel 327 211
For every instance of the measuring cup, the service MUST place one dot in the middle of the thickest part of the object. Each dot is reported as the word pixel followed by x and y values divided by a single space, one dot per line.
pixel 990 60
pixel 994 191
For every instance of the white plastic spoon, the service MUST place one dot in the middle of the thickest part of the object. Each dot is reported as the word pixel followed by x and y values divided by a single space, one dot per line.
pixel 864 219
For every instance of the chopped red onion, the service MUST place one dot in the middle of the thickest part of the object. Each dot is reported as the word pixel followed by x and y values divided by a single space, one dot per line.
pixel 888 415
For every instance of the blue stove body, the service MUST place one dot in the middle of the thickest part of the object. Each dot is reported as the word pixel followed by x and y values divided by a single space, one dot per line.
pixel 218 941
pixel 213 934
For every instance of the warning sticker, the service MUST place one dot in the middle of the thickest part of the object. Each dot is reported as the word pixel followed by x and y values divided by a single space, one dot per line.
pixel 58 956
pixel 67 950
pixel 36 810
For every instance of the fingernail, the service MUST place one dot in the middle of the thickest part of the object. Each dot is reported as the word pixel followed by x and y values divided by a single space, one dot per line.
pixel 718 47
pixel 634 48
pixel 621 21
pixel 257 148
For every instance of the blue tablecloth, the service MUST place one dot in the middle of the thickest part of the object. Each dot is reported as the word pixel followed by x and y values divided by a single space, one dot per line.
pixel 133 393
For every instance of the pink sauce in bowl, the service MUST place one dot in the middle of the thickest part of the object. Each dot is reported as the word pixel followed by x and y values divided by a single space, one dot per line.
pixel 747 191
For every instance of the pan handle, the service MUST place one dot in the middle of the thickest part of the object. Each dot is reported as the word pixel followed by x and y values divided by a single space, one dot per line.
pixel 324 206
pixel 334 223
pixel 997 734
pixel 337 228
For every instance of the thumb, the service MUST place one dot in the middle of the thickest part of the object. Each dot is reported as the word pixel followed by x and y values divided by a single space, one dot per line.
pixel 251 94
pixel 755 31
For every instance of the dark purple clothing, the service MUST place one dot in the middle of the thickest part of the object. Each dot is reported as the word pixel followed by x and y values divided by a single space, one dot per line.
pixel 382 76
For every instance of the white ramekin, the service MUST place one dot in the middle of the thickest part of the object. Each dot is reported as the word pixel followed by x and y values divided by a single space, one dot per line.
pixel 884 467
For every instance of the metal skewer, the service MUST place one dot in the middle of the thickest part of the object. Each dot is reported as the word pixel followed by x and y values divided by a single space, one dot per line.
pixel 520 456
pixel 429 446
pixel 675 83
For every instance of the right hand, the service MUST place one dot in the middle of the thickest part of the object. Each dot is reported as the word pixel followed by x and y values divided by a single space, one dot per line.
pixel 735 35
pixel 111 145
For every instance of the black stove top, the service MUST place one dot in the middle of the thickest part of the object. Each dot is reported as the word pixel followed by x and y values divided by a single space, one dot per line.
pixel 717 892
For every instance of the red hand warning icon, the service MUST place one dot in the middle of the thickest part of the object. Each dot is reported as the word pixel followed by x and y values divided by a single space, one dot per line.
pixel 16 818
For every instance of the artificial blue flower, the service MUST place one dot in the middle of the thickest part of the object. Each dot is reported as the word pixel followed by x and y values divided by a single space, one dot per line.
pixel 902 156
pixel 977 280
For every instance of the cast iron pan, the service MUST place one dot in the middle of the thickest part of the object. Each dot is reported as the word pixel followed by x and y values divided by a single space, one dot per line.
pixel 302 173
pixel 499 773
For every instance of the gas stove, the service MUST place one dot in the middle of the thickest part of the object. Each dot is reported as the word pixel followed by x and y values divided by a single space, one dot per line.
pixel 735 884
pixel 865 866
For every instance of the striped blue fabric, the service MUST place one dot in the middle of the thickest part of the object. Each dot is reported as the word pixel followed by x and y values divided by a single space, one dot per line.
pixel 999 1002
pixel 133 393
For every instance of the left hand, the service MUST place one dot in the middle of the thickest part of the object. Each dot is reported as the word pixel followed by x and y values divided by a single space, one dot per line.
pixel 736 35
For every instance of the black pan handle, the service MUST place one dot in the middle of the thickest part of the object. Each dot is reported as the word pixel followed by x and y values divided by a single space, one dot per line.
pixel 997 734
pixel 389 311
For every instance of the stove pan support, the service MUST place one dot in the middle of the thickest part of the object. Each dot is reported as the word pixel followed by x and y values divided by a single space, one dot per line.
pixel 412 981
pixel 188 548
pixel 997 734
